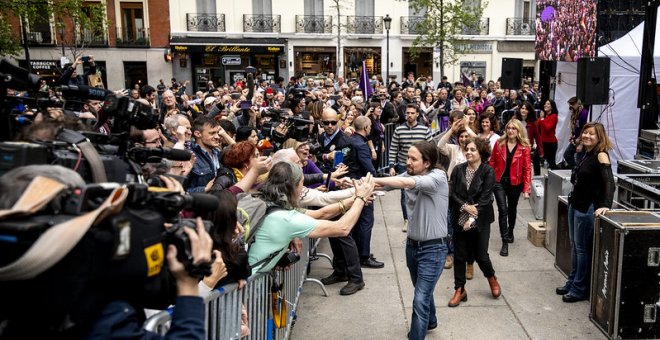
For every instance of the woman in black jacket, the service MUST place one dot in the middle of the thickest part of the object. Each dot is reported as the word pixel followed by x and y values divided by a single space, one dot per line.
pixel 471 196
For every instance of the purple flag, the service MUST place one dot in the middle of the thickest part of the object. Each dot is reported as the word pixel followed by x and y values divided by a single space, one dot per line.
pixel 365 83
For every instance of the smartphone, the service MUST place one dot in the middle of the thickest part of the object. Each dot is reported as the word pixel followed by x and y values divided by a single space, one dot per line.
pixel 84 59
pixel 235 96
pixel 334 97
pixel 245 105
pixel 267 152
pixel 339 158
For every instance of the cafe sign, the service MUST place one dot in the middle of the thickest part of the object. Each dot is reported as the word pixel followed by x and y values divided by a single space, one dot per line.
pixel 227 48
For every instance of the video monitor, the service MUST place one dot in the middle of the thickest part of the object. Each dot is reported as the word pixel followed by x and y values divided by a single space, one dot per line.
pixel 566 29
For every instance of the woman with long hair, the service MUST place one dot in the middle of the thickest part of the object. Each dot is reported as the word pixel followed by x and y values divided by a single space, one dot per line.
pixel 471 114
pixel 426 108
pixel 592 195
pixel 512 162
pixel 471 196
pixel 527 115
pixel 487 124
pixel 547 125
pixel 282 190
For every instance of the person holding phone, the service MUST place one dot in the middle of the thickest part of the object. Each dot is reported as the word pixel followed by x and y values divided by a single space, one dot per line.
pixel 334 144
pixel 70 75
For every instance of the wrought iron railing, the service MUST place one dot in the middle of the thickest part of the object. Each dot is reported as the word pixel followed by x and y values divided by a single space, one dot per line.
pixel 90 38
pixel 481 28
pixel 132 38
pixel 520 26
pixel 43 37
pixel 313 24
pixel 201 22
pixel 261 23
pixel 364 25
pixel 411 25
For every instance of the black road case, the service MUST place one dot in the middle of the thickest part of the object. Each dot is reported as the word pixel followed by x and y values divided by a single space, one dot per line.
pixel 638 166
pixel 625 277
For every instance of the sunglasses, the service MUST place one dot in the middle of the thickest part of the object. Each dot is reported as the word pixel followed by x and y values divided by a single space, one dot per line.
pixel 329 122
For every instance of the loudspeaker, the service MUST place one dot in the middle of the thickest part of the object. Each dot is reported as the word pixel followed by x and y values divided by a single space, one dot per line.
pixel 511 73
pixel 593 80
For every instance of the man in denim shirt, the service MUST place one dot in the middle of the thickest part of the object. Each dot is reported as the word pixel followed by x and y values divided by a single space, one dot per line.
pixel 207 140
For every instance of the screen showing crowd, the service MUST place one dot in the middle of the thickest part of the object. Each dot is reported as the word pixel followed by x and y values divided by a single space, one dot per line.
pixel 565 29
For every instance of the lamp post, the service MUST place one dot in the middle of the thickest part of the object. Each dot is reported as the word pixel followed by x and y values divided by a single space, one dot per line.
pixel 388 23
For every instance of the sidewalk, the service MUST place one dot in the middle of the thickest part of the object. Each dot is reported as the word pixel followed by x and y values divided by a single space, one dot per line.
pixel 527 309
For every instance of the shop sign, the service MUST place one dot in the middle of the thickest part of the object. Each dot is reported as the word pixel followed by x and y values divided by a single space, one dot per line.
pixel 475 48
pixel 231 60
pixel 40 65
pixel 226 49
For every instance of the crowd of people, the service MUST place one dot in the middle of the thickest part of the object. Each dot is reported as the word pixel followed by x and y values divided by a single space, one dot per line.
pixel 566 29
pixel 314 153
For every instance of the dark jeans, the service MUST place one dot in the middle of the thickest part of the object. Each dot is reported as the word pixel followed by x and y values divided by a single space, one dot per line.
pixel 536 162
pixel 550 154
pixel 362 231
pixel 450 230
pixel 569 156
pixel 425 264
pixel 581 234
pixel 471 243
pixel 399 170
pixel 507 197
pixel 346 261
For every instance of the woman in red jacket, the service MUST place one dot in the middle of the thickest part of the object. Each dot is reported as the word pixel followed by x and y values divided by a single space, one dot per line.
pixel 527 116
pixel 547 125
pixel 512 162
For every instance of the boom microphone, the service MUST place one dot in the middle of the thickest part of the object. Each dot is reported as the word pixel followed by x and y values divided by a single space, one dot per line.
pixel 154 155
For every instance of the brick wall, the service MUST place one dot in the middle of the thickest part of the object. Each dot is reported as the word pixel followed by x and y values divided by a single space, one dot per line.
pixel 159 22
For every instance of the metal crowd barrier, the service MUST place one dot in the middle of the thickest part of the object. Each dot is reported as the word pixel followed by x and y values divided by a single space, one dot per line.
pixel 223 305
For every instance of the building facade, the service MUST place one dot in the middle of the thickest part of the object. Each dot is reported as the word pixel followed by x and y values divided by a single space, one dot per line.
pixel 129 49
pixel 216 40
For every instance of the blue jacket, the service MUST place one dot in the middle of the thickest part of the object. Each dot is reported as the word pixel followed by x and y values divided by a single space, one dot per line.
pixel 358 159
pixel 203 170
pixel 119 320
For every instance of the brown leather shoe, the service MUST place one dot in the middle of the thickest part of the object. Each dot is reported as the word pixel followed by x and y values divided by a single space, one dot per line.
pixel 494 287
pixel 469 271
pixel 459 295
pixel 449 262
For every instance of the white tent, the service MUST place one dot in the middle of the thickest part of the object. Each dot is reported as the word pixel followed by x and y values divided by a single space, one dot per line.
pixel 621 117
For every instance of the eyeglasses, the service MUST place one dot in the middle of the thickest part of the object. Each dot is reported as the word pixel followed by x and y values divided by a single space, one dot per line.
pixel 329 122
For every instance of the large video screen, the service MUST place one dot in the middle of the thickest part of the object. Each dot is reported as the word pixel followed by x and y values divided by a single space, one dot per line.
pixel 565 29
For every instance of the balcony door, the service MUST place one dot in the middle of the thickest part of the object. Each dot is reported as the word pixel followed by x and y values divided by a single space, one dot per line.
pixel 132 21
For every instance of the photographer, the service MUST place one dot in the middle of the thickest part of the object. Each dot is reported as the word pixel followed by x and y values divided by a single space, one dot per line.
pixel 74 303
pixel 119 320
pixel 70 75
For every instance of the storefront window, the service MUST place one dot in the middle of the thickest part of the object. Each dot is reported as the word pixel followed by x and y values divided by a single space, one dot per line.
pixel 353 61
pixel 421 65
pixel 314 61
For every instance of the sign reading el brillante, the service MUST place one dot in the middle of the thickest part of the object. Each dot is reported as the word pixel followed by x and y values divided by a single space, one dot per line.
pixel 227 49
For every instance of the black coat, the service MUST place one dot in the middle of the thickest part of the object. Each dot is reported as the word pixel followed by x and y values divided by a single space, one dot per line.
pixel 340 143
pixel 480 193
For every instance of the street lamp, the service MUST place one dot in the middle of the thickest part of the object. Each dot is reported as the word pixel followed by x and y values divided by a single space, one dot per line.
pixel 388 23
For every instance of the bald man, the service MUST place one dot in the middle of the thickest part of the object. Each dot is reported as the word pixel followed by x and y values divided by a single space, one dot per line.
pixel 359 165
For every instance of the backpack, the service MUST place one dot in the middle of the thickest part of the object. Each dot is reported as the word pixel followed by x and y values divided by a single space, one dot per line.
pixel 251 213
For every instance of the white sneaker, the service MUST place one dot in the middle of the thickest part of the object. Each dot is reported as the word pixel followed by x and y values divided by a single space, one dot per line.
pixel 405 226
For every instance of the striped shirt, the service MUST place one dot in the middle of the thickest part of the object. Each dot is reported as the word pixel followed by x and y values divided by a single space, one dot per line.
pixel 404 137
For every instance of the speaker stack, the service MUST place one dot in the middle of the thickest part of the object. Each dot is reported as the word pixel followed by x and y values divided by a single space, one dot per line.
pixel 593 80
pixel 511 73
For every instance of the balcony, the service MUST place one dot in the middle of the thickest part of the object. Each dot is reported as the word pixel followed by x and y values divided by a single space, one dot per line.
pixel 313 24
pixel 90 38
pixel 520 26
pixel 200 22
pixel 138 37
pixel 261 23
pixel 410 25
pixel 481 29
pixel 40 38
pixel 364 25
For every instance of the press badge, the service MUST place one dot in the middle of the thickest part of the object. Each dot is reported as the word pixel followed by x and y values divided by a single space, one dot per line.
pixel 155 256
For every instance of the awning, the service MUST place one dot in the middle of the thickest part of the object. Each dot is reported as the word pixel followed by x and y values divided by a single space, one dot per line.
pixel 224 45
